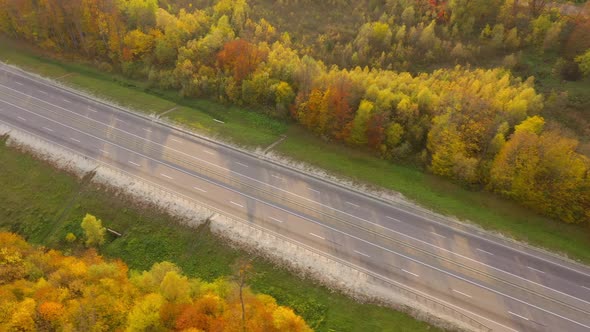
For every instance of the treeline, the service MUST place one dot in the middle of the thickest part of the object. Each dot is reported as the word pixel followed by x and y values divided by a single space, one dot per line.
pixel 43 290
pixel 477 126
pixel 417 34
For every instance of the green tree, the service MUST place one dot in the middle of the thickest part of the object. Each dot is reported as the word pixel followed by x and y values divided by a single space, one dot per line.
pixel 584 62
pixel 358 133
pixel 93 230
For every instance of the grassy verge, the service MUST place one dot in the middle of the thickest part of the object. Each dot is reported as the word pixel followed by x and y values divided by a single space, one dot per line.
pixel 257 130
pixel 44 204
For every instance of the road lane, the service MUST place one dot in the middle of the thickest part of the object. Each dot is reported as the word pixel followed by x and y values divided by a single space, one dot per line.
pixel 335 240
pixel 420 234
pixel 356 206
pixel 128 125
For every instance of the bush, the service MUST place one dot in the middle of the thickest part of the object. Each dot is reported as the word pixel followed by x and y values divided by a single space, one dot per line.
pixel 70 237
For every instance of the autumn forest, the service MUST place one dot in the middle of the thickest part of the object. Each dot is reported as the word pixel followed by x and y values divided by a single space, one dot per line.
pixel 433 83
pixel 45 290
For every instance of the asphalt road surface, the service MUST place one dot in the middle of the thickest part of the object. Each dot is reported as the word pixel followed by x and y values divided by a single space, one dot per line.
pixel 500 284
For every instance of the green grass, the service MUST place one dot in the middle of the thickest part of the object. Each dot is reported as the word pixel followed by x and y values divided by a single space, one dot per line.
pixel 488 210
pixel 44 204
pixel 244 127
pixel 251 129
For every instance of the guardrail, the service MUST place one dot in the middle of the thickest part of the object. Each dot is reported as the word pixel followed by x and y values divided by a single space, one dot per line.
pixel 438 306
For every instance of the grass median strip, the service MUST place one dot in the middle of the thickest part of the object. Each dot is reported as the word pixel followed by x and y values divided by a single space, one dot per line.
pixel 33 195
pixel 256 130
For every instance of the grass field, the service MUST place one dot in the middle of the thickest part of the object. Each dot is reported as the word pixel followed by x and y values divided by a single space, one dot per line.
pixel 253 129
pixel 44 204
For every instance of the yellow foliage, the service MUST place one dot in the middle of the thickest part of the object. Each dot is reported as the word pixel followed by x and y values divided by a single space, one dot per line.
pixel 89 294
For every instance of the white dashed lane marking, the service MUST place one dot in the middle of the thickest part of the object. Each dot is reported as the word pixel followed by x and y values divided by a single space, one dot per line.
pixel 362 254
pixel 532 268
pixel 275 219
pixel 439 235
pixel 517 315
pixel 408 272
pixel 459 292
pixel 319 237
pixel 199 189
pixel 485 252
pixel 236 204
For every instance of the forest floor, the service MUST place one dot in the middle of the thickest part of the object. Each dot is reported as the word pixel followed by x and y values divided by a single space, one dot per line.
pixel 255 130
pixel 43 204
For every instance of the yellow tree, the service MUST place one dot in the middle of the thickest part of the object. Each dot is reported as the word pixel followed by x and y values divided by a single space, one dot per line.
pixel 93 230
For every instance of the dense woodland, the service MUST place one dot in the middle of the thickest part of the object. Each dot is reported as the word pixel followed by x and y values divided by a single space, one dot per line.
pixel 44 290
pixel 431 82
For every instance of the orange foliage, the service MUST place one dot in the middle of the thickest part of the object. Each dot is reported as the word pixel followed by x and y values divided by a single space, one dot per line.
pixel 51 311
pixel 241 58
pixel 55 292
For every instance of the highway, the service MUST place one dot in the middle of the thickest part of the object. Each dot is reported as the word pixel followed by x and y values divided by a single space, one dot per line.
pixel 505 286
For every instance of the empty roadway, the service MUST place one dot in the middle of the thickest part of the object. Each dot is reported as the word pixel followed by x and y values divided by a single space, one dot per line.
pixel 502 285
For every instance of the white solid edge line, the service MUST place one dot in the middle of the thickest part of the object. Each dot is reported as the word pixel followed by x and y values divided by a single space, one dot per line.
pixel 459 292
pixel 317 223
pixel 136 164
pixel 167 176
pixel 537 270
pixel 325 253
pixel 369 198
pixel 75 140
pixel 517 315
pixel 199 189
pixel 275 219
pixel 353 216
pixel 319 237
pixel 412 273
pixel 236 204
pixel 485 252
pixel 362 254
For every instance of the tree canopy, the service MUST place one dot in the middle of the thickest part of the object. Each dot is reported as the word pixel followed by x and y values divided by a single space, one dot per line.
pixel 45 290
pixel 458 121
